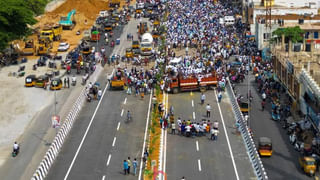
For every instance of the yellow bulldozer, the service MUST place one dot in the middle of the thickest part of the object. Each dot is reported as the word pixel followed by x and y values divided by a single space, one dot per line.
pixel 44 46
pixel 29 48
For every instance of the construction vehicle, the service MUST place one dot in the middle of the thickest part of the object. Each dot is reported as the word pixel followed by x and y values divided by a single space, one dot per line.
pixel 44 46
pixel 51 32
pixel 181 82
pixel 114 3
pixel 68 22
pixel 29 48
pixel 118 80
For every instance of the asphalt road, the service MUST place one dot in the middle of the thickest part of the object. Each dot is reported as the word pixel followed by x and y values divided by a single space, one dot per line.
pixel 199 157
pixel 284 161
pixel 110 139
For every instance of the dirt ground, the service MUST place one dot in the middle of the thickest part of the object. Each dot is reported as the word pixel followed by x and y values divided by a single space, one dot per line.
pixel 19 104
pixel 86 13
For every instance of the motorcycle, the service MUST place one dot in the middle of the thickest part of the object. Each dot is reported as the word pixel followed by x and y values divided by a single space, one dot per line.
pixel 89 98
pixel 15 152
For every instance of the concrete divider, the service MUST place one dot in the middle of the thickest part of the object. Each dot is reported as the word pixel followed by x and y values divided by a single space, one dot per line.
pixel 54 149
pixel 256 162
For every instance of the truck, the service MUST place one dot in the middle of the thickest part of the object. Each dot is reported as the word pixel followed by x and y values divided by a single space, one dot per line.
pixel 143 28
pixel 95 36
pixel 68 22
pixel 53 32
pixel 114 3
pixel 179 83
pixel 146 45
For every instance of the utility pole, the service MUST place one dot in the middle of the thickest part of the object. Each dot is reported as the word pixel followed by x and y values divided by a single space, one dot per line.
pixel 268 25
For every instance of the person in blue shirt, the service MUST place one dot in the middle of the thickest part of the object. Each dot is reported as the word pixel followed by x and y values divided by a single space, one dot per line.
pixel 125 166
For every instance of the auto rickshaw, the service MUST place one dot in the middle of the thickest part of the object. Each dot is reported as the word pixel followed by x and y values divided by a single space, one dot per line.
pixel 265 146
pixel 135 45
pixel 108 27
pixel 30 80
pixel 156 22
pixel 244 106
pixel 129 53
pixel 56 84
pixel 155 34
pixel 308 165
pixel 41 81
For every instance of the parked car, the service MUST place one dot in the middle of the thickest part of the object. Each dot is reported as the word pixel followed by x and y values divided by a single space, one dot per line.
pixel 63 46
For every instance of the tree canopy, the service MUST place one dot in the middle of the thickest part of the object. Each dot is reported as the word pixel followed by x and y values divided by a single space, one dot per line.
pixel 15 18
pixel 295 34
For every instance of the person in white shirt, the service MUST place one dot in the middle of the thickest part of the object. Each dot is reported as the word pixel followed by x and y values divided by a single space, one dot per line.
pixel 15 147
pixel 202 98
pixel 264 96
pixel 215 125
pixel 99 94
pixel 208 108
pixel 173 128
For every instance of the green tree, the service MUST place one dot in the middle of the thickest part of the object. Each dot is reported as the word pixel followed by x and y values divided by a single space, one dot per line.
pixel 36 6
pixel 295 34
pixel 14 20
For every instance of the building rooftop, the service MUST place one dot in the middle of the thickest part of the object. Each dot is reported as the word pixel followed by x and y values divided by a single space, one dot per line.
pixel 302 59
pixel 291 17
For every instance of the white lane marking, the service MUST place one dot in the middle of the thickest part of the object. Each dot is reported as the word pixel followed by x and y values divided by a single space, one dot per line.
pixel 165 144
pixel 125 101
pixel 227 137
pixel 194 115
pixel 103 177
pixel 165 151
pixel 108 162
pixel 197 145
pixel 145 137
pixel 86 132
pixel 118 126
pixel 114 141
pixel 192 103
pixel 122 112
pixel 199 165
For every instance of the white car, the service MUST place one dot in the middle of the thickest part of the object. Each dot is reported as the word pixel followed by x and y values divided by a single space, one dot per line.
pixel 63 46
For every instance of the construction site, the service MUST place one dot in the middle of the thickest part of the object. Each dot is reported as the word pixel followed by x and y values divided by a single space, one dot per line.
pixel 60 23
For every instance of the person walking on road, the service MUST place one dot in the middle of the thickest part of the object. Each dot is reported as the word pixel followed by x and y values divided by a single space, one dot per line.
pixel 219 96
pixel 68 82
pixel 125 167
pixel 264 96
pixel 173 128
pixel 129 164
pixel 216 132
pixel 65 82
pixel 99 94
pixel 135 165
pixel 208 108
pixel 202 98
pixel 212 134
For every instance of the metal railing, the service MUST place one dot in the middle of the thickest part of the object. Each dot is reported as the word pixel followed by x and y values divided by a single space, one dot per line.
pixel 247 138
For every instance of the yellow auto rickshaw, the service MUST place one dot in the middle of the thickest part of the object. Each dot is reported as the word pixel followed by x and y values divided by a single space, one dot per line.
pixel 308 165
pixel 244 107
pixel 135 45
pixel 30 80
pixel 129 53
pixel 265 147
pixel 42 81
pixel 56 84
